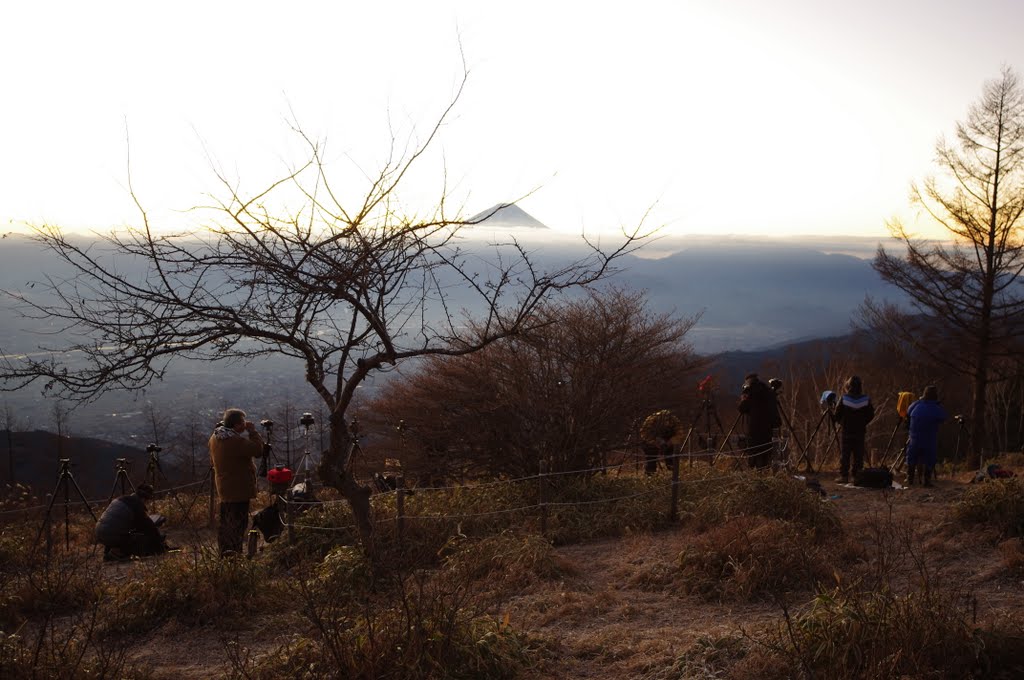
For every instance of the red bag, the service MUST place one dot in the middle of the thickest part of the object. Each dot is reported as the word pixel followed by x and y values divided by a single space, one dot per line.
pixel 279 478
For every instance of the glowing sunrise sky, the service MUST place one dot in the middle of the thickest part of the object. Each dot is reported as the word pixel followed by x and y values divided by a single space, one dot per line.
pixel 737 116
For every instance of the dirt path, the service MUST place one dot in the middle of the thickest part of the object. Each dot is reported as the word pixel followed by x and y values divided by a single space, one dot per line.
pixel 608 626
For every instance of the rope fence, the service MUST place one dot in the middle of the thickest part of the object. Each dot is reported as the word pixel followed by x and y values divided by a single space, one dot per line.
pixel 294 508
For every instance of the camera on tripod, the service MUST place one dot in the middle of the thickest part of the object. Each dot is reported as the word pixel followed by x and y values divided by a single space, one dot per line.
pixel 959 418
pixel 153 448
pixel 307 420
pixel 775 384
pixel 267 424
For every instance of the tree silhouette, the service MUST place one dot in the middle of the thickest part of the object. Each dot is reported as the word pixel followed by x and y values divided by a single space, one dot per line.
pixel 346 287
pixel 967 294
pixel 567 392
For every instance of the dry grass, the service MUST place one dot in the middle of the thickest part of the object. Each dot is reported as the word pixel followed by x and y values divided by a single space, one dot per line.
pixel 760 579
pixel 996 504
pixel 752 557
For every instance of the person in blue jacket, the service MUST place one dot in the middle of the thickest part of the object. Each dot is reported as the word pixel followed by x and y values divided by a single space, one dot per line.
pixel 925 415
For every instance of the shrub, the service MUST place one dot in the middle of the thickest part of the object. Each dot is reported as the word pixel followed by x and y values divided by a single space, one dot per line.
pixel 194 591
pixel 64 583
pixel 505 562
pixel 998 504
pixel 771 496
pixel 412 626
pixel 707 658
pixel 881 634
pixel 751 557
pixel 71 653
pixel 585 508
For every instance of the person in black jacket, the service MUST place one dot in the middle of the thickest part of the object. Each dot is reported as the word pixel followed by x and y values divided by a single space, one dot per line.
pixel 852 414
pixel 761 407
pixel 126 529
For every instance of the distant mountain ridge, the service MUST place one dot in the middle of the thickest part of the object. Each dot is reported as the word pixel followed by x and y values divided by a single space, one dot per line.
pixel 506 215
pixel 758 297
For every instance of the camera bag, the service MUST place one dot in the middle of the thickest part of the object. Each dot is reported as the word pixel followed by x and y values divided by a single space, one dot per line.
pixel 873 478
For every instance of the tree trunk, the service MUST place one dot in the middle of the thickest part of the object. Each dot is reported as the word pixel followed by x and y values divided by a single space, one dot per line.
pixel 979 408
pixel 334 472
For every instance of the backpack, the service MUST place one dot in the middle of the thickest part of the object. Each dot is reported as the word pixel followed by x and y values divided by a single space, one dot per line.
pixel 873 478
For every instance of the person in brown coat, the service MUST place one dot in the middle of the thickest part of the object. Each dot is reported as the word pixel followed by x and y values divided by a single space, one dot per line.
pixel 234 446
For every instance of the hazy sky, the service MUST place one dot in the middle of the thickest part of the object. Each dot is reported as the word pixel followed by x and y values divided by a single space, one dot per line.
pixel 736 116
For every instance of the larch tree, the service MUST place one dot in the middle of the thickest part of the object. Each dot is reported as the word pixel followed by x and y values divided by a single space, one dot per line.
pixel 347 287
pixel 967 293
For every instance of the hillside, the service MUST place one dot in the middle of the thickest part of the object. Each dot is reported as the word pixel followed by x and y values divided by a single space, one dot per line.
pixel 737 588
pixel 35 454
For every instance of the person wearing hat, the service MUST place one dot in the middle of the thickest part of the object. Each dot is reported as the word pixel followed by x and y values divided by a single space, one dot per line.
pixel 234 447
pixel 925 415
pixel 125 529
pixel 852 414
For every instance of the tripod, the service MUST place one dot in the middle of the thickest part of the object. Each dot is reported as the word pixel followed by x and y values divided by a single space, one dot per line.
pixel 817 426
pixel 268 427
pixel 709 413
pixel 961 429
pixel 155 473
pixel 356 451
pixel 121 477
pixel 65 480
pixel 888 444
pixel 302 466
pixel 775 385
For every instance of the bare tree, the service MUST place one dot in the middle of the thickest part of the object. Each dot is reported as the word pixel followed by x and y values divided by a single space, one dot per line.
pixel 971 288
pixel 346 287
pixel 157 423
pixel 567 392
pixel 60 413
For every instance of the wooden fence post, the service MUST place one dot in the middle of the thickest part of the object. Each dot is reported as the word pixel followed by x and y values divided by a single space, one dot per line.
pixel 543 498
pixel 673 513
pixel 400 508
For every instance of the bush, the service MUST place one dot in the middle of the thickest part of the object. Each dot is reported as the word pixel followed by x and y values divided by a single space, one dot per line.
pixel 771 496
pixel 585 508
pixel 886 634
pixel 66 654
pixel 506 562
pixel 64 583
pixel 751 557
pixel 410 626
pixel 997 504
pixel 194 592
pixel 708 658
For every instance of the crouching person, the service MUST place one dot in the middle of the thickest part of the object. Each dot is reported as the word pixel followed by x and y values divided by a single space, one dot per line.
pixel 125 529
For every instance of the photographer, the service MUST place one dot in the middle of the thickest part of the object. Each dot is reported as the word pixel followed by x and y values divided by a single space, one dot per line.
pixel 759 403
pixel 852 414
pixel 659 434
pixel 125 529
pixel 234 446
pixel 925 414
